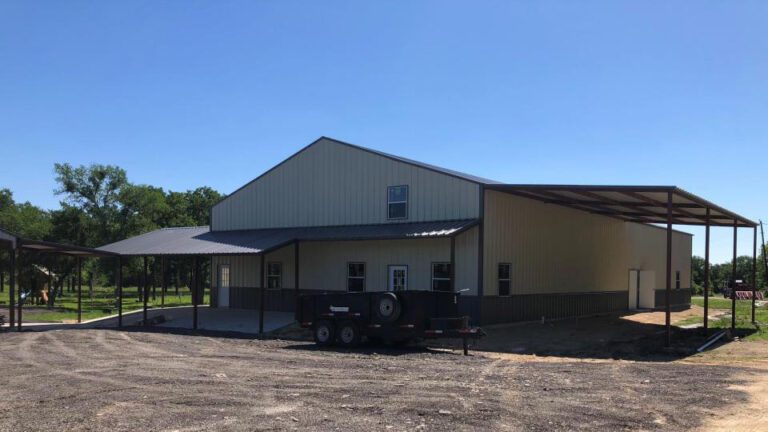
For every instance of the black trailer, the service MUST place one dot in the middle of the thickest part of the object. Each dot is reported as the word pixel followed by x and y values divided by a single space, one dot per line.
pixel 396 317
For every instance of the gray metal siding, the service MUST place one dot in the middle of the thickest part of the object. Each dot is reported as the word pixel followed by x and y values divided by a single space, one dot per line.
pixel 678 297
pixel 532 307
pixel 334 184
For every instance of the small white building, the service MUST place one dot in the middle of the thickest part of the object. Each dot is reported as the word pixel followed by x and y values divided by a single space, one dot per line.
pixel 339 217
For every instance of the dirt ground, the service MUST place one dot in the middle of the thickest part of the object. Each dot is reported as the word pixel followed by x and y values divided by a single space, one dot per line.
pixel 131 380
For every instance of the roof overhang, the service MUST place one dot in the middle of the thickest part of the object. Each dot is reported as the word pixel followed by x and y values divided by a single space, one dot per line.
pixel 20 243
pixel 203 241
pixel 641 204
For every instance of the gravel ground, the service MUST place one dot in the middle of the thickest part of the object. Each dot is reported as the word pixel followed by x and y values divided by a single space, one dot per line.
pixel 123 380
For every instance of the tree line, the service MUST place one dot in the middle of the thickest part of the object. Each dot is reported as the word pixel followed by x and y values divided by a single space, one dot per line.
pixel 99 205
pixel 720 274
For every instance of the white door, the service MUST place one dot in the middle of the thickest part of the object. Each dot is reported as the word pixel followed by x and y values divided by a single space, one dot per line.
pixel 647 288
pixel 634 281
pixel 398 278
pixel 224 285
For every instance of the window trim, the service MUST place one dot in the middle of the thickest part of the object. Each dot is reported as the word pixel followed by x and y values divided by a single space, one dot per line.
pixel 364 277
pixel 499 280
pixel 229 276
pixel 280 276
pixel 407 196
pixel 407 276
pixel 433 278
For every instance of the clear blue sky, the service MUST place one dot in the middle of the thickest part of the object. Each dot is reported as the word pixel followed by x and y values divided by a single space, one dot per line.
pixel 190 93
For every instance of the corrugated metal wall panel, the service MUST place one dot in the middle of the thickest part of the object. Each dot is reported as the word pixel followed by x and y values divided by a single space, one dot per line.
pixel 648 252
pixel 323 265
pixel 333 184
pixel 552 249
pixel 555 249
pixel 532 307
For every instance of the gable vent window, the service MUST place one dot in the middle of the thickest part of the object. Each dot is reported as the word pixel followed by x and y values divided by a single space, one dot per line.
pixel 397 202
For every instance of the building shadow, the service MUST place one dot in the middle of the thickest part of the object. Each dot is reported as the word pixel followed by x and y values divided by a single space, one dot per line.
pixel 600 337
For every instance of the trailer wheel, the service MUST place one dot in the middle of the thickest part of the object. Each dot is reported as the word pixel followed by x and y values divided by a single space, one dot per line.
pixel 324 333
pixel 387 307
pixel 349 334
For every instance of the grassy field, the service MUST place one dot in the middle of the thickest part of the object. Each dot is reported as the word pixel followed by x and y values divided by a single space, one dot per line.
pixel 103 303
pixel 743 316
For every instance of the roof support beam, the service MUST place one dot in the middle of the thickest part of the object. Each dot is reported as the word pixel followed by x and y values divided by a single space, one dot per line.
pixel 661 204
pixel 706 276
pixel 565 202
pixel 642 214
pixel 733 277
pixel 668 292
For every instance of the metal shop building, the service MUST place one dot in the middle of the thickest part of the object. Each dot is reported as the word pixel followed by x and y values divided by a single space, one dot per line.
pixel 336 216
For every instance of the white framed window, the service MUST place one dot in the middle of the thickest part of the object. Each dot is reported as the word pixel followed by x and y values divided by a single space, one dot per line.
pixel 505 281
pixel 677 279
pixel 441 277
pixel 356 277
pixel 397 202
pixel 274 275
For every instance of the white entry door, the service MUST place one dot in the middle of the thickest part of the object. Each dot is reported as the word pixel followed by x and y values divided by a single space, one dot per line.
pixel 634 286
pixel 398 278
pixel 647 287
pixel 223 285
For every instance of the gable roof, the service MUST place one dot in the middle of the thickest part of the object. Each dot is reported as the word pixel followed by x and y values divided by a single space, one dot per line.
pixel 433 168
pixel 601 203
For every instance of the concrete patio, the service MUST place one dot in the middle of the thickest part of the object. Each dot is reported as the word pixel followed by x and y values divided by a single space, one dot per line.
pixel 211 319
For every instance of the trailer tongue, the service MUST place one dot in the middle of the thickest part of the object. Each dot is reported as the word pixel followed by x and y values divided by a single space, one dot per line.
pixel 398 317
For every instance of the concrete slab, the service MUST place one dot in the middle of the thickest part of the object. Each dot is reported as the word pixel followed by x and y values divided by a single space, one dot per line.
pixel 214 319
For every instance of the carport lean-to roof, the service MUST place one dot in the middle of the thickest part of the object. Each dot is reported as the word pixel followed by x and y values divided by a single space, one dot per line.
pixel 642 204
pixel 16 244
pixel 203 241
pixel 668 205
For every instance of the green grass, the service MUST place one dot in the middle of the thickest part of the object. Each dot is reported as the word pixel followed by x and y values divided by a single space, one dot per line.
pixel 102 304
pixel 743 317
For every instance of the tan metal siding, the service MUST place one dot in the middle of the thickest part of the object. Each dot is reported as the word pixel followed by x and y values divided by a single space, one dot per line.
pixel 552 249
pixel 555 249
pixel 323 265
pixel 333 184
pixel 245 269
pixel 648 252
pixel 466 261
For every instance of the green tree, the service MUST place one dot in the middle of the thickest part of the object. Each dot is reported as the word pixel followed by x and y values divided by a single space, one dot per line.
pixel 23 219
pixel 142 208
pixel 95 190
pixel 200 202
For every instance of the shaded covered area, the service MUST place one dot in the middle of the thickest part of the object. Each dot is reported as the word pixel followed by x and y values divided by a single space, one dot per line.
pixel 177 317
pixel 201 244
pixel 667 205
pixel 17 246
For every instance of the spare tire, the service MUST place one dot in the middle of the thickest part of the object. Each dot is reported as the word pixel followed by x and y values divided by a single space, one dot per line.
pixel 386 307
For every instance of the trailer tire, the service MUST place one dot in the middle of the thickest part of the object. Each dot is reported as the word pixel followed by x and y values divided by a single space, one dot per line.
pixel 324 333
pixel 348 334
pixel 387 307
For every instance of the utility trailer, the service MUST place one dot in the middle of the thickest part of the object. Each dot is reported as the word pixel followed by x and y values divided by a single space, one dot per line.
pixel 393 317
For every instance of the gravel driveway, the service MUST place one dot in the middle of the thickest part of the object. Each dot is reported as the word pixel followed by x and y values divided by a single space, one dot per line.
pixel 124 380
